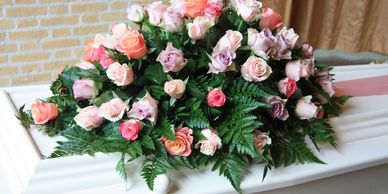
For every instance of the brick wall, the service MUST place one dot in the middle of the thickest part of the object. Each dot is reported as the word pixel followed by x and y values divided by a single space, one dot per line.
pixel 39 37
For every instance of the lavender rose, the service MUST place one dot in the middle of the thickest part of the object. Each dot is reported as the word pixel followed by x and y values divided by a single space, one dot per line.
pixel 84 89
pixel 278 109
pixel 173 20
pixel 145 108
pixel 222 61
pixel 171 59
pixel 261 42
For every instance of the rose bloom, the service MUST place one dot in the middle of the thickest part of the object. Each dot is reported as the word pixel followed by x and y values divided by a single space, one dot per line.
pixel 43 112
pixel 290 37
pixel 300 69
pixel 133 45
pixel 193 8
pixel 172 20
pixel 105 40
pixel 84 89
pixel 135 12
pixel 130 129
pixel 278 109
pixel 307 68
pixel 88 53
pixel 249 10
pixel 119 31
pixel 222 61
pixel 255 69
pixel 182 144
pixel 198 28
pixel 307 50
pixel 271 19
pixel 88 118
pixel 101 54
pixel 305 109
pixel 260 139
pixel 287 86
pixel 155 12
pixel 261 43
pixel 211 144
pixel 171 59
pixel 326 82
pixel 281 49
pixel 113 110
pixel 231 40
pixel 175 88
pixel 121 75
pixel 216 98
pixel 212 10
pixel 85 65
pixel 145 108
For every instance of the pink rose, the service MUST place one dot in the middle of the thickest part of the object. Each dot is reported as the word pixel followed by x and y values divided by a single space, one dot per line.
pixel 121 75
pixel 260 139
pixel 105 40
pixel 113 110
pixel 261 43
pixel 325 80
pixel 172 20
pixel 43 112
pixel 182 144
pixel 307 50
pixel 287 86
pixel 278 109
pixel 84 89
pixel 231 40
pixel 88 118
pixel 171 59
pixel 132 44
pixel 255 69
pixel 193 8
pixel 85 65
pixel 307 68
pixel 212 10
pixel 281 49
pixel 290 37
pixel 211 144
pixel 88 53
pixel 300 69
pixel 249 10
pixel 216 98
pixel 271 19
pixel 175 88
pixel 100 54
pixel 130 129
pixel 198 28
pixel 222 61
pixel 135 12
pixel 305 109
pixel 119 31
pixel 155 12
pixel 145 108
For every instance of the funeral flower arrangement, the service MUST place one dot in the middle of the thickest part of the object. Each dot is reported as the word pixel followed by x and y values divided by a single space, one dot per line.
pixel 196 83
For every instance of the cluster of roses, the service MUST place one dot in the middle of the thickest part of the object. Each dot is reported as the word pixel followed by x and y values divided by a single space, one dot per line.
pixel 202 15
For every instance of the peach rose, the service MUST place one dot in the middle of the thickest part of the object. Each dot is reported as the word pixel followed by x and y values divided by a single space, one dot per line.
pixel 182 145
pixel 43 112
pixel 255 69
pixel 130 129
pixel 231 40
pixel 132 44
pixel 88 118
pixel 121 75
pixel 198 28
pixel 193 8
pixel 113 110
pixel 305 109
pixel 211 144
pixel 145 108
pixel 271 19
pixel 88 53
pixel 260 139
pixel 175 88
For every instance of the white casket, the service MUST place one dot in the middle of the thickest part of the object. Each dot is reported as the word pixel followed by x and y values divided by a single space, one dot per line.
pixel 358 165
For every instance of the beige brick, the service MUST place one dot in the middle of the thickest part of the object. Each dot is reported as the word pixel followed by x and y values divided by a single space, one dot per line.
pixel 113 16
pixel 49 44
pixel 7 48
pixel 90 29
pixel 2 36
pixel 53 1
pixel 25 23
pixel 6 24
pixel 27 35
pixel 30 68
pixel 31 79
pixel 5 2
pixel 59 9
pixel 61 32
pixel 8 70
pixel 3 59
pixel 26 11
pixel 29 46
pixel 119 5
pixel 4 82
pixel 25 1
pixel 30 57
pixel 62 54
pixel 59 21
pixel 58 65
pixel 90 18
pixel 90 7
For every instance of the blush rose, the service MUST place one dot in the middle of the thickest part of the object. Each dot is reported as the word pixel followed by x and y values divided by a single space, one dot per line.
pixel 88 118
pixel 43 112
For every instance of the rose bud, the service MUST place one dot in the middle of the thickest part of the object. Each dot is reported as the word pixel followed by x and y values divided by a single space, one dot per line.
pixel 248 10
pixel 278 109
pixel 211 144
pixel 198 28
pixel 135 12
pixel 130 129
pixel 88 118
pixel 287 86
pixel 113 110
pixel 216 98
pixel 260 139
pixel 43 112
pixel 121 75
pixel 84 89
pixel 305 109
pixel 271 19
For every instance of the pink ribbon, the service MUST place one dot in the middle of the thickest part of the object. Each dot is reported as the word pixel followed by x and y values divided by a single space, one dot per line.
pixel 372 86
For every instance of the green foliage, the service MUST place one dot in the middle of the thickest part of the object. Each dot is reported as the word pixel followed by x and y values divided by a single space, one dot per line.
pixel 165 128
pixel 333 107
pixel 25 118
pixel 153 167
pixel 120 167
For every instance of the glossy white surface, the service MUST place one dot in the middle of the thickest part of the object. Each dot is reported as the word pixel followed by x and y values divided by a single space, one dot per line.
pixel 362 134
